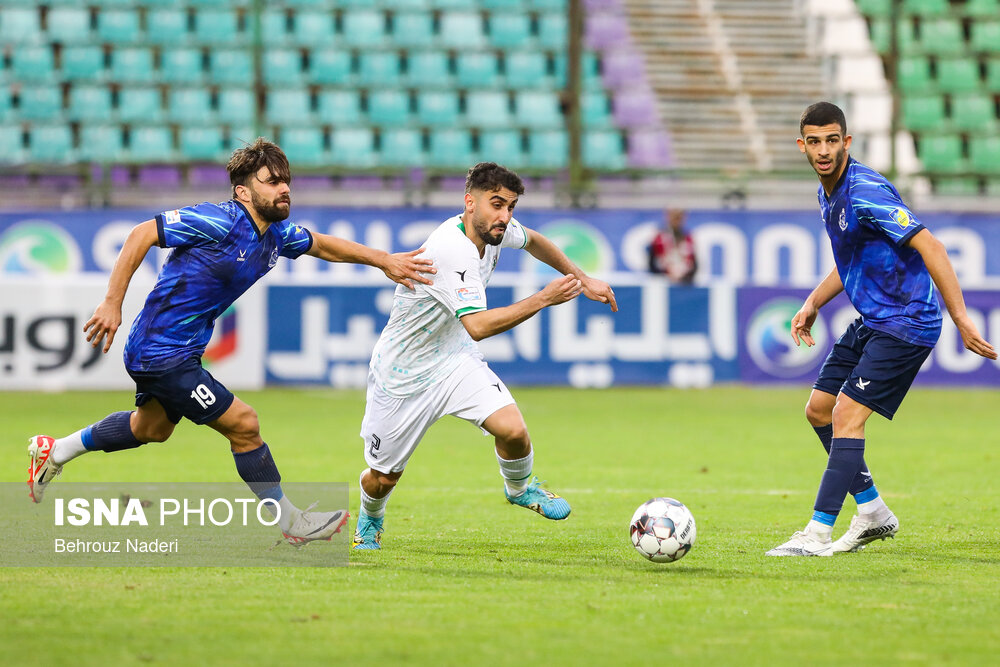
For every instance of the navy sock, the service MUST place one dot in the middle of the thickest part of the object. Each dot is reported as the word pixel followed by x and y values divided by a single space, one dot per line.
pixel 863 480
pixel 845 462
pixel 257 469
pixel 111 434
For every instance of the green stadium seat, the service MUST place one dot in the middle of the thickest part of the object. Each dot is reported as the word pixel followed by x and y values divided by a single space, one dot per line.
pixel 219 3
pixel 288 105
pixel 50 144
pixel 389 107
pixel 905 36
pixel 413 29
pixel 353 4
pixel 340 107
pixel 406 4
pixel 879 8
pixel 364 28
pixel 33 64
pixel 941 153
pixel 438 108
pixel 353 147
pixel 401 147
pixel 982 8
pixel 181 66
pixel 603 149
pixel 151 144
pixel 985 36
pixel 68 25
pixel 83 63
pixel 450 147
pixel 282 67
pixel 510 30
pixel 167 27
pixel 214 27
pixel 313 28
pixel 201 144
pixel 503 147
pixel 595 109
pixel 230 66
pixel 993 75
pixel 132 65
pixel 330 66
pixel 502 5
pixel 118 26
pixel 40 103
pixel 538 108
pixel 926 7
pixel 913 74
pixel 20 25
pixel 923 112
pixel 526 69
pixel 959 186
pixel 428 68
pixel 548 149
pixel 590 71
pixel 11 144
pixel 975 113
pixel 101 143
pixel 6 103
pixel 548 5
pixel 140 105
pixel 461 30
pixel 189 105
pixel 958 75
pixel 89 103
pixel 379 69
pixel 303 145
pixel 237 106
pixel 942 36
pixel 553 29
pixel 478 69
pixel 487 108
pixel 275 25
pixel 984 154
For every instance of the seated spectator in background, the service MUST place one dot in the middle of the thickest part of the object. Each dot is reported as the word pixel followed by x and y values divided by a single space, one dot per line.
pixel 672 251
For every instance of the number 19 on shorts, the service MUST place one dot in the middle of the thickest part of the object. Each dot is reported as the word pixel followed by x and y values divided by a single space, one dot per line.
pixel 203 395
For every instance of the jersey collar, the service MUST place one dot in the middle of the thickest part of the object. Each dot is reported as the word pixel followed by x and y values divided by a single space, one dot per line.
pixel 249 219
pixel 840 181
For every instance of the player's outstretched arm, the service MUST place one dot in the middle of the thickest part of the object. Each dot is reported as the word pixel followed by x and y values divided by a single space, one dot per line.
pixel 546 251
pixel 804 319
pixel 935 257
pixel 402 267
pixel 490 322
pixel 107 316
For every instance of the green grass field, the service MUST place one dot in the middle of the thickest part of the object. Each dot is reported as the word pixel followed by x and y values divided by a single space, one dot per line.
pixel 464 578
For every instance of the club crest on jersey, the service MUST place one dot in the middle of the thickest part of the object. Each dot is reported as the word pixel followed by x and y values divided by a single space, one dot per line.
pixel 901 218
pixel 171 217
pixel 467 294
pixel 273 260
pixel 842 221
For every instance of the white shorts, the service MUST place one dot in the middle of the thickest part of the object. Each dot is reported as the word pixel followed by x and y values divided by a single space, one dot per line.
pixel 393 427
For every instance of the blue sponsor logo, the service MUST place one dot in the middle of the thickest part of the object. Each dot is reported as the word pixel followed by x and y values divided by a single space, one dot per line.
pixel 769 340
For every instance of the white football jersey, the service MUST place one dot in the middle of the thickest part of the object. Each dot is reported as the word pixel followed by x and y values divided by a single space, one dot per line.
pixel 424 340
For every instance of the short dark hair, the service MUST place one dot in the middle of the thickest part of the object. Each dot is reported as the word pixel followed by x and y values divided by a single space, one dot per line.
pixel 823 113
pixel 246 162
pixel 490 177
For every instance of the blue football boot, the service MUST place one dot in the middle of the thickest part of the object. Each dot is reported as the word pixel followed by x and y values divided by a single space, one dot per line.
pixel 368 534
pixel 541 500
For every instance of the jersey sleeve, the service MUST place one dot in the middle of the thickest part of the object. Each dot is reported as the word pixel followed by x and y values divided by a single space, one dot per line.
pixel 457 283
pixel 515 236
pixel 878 205
pixel 295 240
pixel 193 226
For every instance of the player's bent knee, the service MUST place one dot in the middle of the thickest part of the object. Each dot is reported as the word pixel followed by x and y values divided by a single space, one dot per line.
pixel 818 415
pixel 153 432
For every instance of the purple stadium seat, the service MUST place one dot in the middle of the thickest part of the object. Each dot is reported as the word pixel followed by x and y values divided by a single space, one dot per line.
pixel 634 107
pixel 622 67
pixel 649 148
pixel 605 30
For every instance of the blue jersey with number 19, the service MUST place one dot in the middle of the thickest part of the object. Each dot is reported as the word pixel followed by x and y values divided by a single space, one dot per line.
pixel 885 279
pixel 218 253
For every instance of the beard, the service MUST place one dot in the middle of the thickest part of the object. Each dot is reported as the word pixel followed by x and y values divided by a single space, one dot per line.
pixel 837 159
pixel 485 233
pixel 269 210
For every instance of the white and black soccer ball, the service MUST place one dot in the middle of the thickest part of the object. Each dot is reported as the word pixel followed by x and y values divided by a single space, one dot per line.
pixel 662 530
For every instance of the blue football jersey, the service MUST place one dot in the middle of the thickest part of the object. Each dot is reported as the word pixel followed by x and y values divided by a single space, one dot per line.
pixel 218 253
pixel 885 279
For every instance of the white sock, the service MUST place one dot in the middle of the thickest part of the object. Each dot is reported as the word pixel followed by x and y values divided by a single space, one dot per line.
pixel 874 508
pixel 819 529
pixel 68 448
pixel 516 473
pixel 288 512
pixel 372 507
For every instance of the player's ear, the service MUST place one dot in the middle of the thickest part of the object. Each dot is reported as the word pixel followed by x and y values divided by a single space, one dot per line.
pixel 847 142
pixel 242 193
pixel 802 144
pixel 470 202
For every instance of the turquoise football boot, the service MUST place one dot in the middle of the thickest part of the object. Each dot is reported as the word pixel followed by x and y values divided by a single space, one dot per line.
pixel 541 500
pixel 368 534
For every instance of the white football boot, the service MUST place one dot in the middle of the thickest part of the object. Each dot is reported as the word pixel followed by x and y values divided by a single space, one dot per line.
pixel 309 526
pixel 863 531
pixel 42 469
pixel 803 543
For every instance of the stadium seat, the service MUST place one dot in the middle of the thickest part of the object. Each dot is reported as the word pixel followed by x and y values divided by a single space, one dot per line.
pixel 428 68
pixel 181 66
pixel 993 75
pixel 50 144
pixel 552 31
pixel 603 149
pixel 595 109
pixel 89 103
pixel 503 147
pixel 40 103
pixel 879 8
pixel 526 69
pixel 590 73
pixel 942 36
pixel 401 147
pixel 538 108
pixel 487 108
pixel 11 144
pixel 282 67
pixel 20 25
pixel 340 107
pixel 132 65
pixel 288 105
pixel 237 106
pixel 548 5
pixel 406 4
pixel 101 143
pixel 941 153
pixel 983 154
pixel 275 24
pixel 190 105
pixel 926 7
pixel 6 103
pixel 478 69
pixel 216 27
pixel 923 112
pixel 330 66
pixel 985 36
pixel 548 149
pixel 140 105
pixel 450 147
pixel 510 30
pixel 353 147
pixel 313 28
pixel 982 8
pixel 905 36
pixel 455 4
pixel 913 74
pixel 33 64
pixel 218 3
pixel 230 66
pixel 973 112
pixel 413 29
pixel 167 27
pixel 68 25
pixel 118 26
pixel 957 75
pixel 437 108
pixel 364 28
pixel 83 63
pixel 201 144
pixel 378 69
pixel 503 5
pixel 389 107
pixel 151 144
pixel 461 30
pixel 303 145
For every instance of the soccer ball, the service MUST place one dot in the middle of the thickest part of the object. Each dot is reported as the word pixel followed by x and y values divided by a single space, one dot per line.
pixel 662 530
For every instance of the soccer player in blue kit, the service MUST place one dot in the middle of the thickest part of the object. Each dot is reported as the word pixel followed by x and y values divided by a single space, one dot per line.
pixel 219 251
pixel 886 261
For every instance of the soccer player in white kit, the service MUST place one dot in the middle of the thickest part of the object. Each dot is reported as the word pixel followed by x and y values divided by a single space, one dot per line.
pixel 426 363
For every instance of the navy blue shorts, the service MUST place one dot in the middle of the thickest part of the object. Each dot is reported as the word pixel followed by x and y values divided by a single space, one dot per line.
pixel 873 368
pixel 187 390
